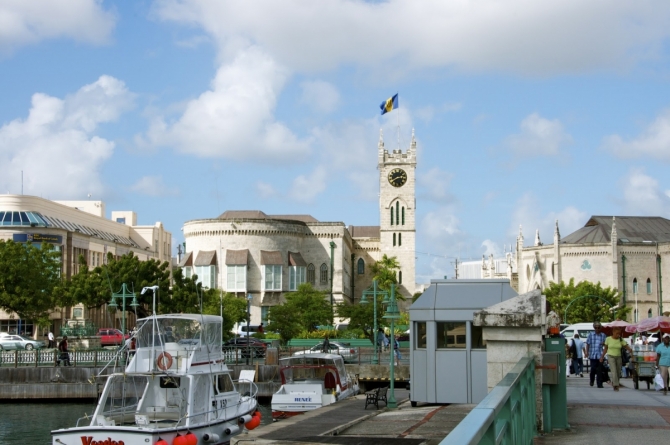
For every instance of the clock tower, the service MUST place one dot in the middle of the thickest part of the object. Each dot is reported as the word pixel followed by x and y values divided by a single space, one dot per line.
pixel 397 210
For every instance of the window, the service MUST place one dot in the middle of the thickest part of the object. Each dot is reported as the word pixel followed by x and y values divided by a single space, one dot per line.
pixel 188 271
pixel 206 276
pixel 400 239
pixel 400 277
pixel 264 314
pixel 403 216
pixel 450 335
pixel 420 334
pixel 391 215
pixel 393 239
pixel 296 276
pixel 649 286
pixel 311 276
pixel 650 313
pixel 634 285
pixel 237 278
pixel 324 274
pixel 397 212
pixel 361 266
pixel 224 383
pixel 478 341
pixel 635 316
pixel 272 277
pixel 121 220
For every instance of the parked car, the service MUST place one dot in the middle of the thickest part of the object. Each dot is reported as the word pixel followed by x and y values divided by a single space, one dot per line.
pixel 8 342
pixel 243 332
pixel 248 346
pixel 344 349
pixel 111 337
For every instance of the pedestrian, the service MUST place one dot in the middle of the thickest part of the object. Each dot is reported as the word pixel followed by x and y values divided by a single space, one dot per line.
pixel 63 353
pixel 381 340
pixel 577 354
pixel 663 360
pixel 594 350
pixel 325 348
pixel 396 350
pixel 260 328
pixel 52 340
pixel 613 346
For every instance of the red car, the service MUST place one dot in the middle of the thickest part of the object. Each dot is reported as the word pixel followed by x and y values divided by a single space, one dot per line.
pixel 111 337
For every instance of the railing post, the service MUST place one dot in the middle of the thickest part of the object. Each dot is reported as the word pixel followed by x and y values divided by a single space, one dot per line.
pixel 95 359
pixel 16 358
pixel 37 357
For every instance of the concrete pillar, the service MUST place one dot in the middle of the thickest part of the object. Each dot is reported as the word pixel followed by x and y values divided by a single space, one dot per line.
pixel 514 329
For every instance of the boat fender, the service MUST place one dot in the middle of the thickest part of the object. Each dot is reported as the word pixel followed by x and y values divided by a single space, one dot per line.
pixel 253 423
pixel 164 361
pixel 180 440
pixel 210 437
pixel 244 419
pixel 191 439
pixel 232 430
pixel 161 442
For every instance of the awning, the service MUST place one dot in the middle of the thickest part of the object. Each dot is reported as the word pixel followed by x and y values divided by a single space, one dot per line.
pixel 295 259
pixel 271 257
pixel 237 257
pixel 187 261
pixel 206 258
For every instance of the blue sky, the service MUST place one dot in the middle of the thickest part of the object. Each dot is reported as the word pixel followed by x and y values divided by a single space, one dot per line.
pixel 525 112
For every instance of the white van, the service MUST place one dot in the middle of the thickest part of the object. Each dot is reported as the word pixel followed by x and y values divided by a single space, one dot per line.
pixel 582 328
pixel 242 330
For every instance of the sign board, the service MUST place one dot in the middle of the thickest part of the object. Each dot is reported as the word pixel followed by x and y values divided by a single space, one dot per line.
pixel 37 238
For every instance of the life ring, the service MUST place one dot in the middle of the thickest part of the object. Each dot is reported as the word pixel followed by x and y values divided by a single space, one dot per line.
pixel 162 358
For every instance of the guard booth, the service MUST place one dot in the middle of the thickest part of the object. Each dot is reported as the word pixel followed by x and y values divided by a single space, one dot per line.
pixel 448 353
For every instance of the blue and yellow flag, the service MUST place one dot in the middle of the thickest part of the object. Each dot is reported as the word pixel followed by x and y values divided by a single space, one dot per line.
pixel 389 104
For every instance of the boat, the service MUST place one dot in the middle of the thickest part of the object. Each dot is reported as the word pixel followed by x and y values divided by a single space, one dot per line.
pixel 174 390
pixel 309 382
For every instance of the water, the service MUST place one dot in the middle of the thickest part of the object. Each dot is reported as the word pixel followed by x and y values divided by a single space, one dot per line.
pixel 31 423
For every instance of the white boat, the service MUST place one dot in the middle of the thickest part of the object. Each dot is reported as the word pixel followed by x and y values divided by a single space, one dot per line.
pixel 310 382
pixel 175 390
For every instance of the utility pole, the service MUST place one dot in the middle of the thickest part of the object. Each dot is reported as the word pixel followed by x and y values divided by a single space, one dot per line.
pixel 455 263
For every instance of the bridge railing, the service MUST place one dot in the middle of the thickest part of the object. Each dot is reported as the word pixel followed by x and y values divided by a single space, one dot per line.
pixel 505 416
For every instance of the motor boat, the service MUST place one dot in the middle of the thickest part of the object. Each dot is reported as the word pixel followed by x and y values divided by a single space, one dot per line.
pixel 174 390
pixel 309 382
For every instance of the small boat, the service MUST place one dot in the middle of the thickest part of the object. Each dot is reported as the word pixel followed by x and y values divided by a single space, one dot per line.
pixel 175 390
pixel 310 382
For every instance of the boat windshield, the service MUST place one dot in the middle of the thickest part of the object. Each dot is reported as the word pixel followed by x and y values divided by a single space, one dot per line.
pixel 123 395
pixel 308 368
pixel 169 330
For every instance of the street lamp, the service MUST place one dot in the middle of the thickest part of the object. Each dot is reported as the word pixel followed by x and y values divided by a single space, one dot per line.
pixel 248 319
pixel 392 313
pixel 374 292
pixel 123 295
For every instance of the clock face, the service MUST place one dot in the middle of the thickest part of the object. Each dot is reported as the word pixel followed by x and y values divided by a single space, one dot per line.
pixel 397 177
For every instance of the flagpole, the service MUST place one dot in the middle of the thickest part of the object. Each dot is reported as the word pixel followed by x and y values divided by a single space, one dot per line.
pixel 398 122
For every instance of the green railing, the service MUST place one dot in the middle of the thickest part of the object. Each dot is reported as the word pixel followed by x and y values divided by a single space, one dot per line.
pixel 505 416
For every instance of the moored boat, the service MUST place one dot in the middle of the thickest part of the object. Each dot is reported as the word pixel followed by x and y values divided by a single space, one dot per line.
pixel 310 382
pixel 175 390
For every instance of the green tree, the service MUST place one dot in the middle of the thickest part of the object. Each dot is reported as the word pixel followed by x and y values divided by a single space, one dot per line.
pixel 385 271
pixel 587 309
pixel 361 316
pixel 304 309
pixel 234 308
pixel 30 283
pixel 185 297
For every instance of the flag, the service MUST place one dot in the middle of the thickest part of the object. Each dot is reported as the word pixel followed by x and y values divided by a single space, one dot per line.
pixel 389 104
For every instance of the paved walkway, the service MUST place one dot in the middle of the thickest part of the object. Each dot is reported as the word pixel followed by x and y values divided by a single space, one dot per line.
pixel 604 416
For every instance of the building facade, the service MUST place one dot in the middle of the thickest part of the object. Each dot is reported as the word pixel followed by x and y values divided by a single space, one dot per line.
pixel 630 254
pixel 77 228
pixel 250 253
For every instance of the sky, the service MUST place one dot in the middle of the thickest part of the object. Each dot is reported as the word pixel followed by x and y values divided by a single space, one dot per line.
pixel 525 112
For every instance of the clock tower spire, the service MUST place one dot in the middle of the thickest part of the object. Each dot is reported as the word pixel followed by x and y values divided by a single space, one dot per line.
pixel 397 210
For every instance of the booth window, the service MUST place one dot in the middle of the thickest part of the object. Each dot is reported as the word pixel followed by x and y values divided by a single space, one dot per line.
pixel 420 335
pixel 478 341
pixel 451 335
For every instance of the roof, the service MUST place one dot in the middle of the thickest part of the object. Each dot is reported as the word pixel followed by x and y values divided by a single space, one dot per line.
pixel 364 231
pixel 295 259
pixel 206 258
pixel 461 296
pixel 187 260
pixel 271 257
pixel 257 214
pixel 237 257
pixel 630 229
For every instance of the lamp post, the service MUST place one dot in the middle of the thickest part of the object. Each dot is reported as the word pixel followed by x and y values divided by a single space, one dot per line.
pixel 374 292
pixel 123 294
pixel 248 319
pixel 392 313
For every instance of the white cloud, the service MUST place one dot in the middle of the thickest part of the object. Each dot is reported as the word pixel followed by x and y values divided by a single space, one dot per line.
pixel 516 36
pixel 265 190
pixel 538 137
pixel 528 215
pixel 24 22
pixel 429 112
pixel 434 185
pixel 440 223
pixel 643 196
pixel 320 96
pixel 234 119
pixel 653 142
pixel 307 188
pixel 55 146
pixel 154 186
pixel 491 248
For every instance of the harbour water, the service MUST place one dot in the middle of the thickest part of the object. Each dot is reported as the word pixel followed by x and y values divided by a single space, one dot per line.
pixel 31 423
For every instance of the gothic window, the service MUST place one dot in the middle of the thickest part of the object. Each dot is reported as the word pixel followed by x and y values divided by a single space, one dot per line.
pixel 391 215
pixel 403 216
pixel 397 213
pixel 649 286
pixel 634 285
pixel 394 239
pixel 311 276
pixel 361 266
pixel 324 274
pixel 400 239
pixel 400 277
pixel 649 313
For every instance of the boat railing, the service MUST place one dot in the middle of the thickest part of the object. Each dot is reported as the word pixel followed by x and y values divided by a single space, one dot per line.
pixel 253 388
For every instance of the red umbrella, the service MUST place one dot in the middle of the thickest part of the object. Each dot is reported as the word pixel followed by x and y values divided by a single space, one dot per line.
pixel 652 324
pixel 609 327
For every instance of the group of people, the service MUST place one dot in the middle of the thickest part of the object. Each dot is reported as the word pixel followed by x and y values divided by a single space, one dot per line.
pixel 383 343
pixel 598 346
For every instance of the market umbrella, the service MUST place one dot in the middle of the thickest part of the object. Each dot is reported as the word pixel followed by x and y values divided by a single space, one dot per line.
pixel 609 327
pixel 660 323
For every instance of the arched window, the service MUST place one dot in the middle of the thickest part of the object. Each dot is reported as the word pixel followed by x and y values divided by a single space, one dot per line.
pixel 394 239
pixel 361 266
pixel 634 315
pixel 634 285
pixel 311 275
pixel 649 313
pixel 649 286
pixel 400 239
pixel 400 277
pixel 397 212
pixel 324 273
pixel 391 215
pixel 403 216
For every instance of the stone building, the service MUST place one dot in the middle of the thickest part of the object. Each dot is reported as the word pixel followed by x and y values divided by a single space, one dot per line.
pixel 248 252
pixel 629 253
pixel 77 228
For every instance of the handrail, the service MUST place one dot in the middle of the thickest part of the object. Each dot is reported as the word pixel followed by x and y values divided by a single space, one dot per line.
pixel 506 415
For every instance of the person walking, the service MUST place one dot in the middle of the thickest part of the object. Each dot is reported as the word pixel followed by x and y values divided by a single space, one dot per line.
pixel 52 340
pixel 613 347
pixel 326 345
pixel 396 350
pixel 663 360
pixel 594 350
pixel 577 351
pixel 381 339
pixel 63 353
